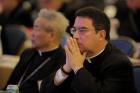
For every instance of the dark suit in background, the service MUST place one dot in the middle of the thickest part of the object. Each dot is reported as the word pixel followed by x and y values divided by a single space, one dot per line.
pixel 128 17
pixel 18 16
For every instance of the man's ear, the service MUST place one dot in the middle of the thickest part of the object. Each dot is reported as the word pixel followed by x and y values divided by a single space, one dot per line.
pixel 51 34
pixel 102 34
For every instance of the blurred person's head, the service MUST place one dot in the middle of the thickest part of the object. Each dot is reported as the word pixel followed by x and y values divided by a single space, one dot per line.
pixel 48 30
pixel 91 30
pixel 7 6
pixel 50 4
pixel 133 4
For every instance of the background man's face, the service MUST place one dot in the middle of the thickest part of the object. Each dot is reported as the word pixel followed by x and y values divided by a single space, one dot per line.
pixel 40 37
pixel 5 5
pixel 134 4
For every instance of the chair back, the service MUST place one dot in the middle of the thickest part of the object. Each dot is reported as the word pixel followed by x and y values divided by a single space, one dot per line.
pixel 125 44
pixel 15 38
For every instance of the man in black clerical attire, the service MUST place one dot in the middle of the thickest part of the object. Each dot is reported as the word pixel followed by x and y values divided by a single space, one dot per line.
pixel 46 55
pixel 92 65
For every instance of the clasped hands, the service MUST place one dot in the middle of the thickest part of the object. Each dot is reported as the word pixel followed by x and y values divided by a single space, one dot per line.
pixel 74 58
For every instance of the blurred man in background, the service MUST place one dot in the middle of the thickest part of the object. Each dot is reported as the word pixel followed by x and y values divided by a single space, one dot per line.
pixel 46 54
pixel 128 15
pixel 14 13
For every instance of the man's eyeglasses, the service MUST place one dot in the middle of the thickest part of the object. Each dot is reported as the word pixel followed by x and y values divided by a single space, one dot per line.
pixel 80 30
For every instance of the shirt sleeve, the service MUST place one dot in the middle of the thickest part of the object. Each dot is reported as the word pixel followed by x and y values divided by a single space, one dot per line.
pixel 60 77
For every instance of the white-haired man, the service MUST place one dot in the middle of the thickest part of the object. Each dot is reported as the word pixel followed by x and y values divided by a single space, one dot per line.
pixel 46 53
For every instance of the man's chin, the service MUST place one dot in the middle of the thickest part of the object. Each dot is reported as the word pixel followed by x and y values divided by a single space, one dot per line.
pixel 82 51
pixel 34 46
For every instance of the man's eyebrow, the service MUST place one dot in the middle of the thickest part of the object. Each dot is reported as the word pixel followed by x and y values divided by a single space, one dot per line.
pixel 81 27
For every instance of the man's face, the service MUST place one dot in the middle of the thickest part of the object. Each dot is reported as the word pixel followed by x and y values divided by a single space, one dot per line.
pixel 40 37
pixel 50 4
pixel 134 4
pixel 86 36
pixel 5 5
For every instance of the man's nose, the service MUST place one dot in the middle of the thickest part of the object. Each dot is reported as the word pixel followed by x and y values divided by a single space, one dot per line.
pixel 76 34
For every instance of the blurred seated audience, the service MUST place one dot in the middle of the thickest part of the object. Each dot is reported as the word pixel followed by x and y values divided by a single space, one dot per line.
pixel 15 39
pixel 129 47
pixel 50 4
pixel 67 7
pixel 135 61
pixel 57 5
pixel 128 12
pixel 46 54
pixel 128 15
pixel 74 5
pixel 13 12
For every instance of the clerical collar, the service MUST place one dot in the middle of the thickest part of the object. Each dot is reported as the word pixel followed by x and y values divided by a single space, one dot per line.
pixel 88 58
pixel 47 52
pixel 40 53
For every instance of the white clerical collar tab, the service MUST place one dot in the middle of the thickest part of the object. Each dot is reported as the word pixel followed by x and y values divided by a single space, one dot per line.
pixel 40 53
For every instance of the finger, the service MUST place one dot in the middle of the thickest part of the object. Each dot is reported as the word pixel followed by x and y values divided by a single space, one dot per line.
pixel 67 57
pixel 76 45
pixel 73 47
pixel 68 53
pixel 70 45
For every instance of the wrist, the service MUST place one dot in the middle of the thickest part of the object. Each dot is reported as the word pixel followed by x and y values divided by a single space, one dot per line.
pixel 77 68
pixel 67 68
pixel 65 71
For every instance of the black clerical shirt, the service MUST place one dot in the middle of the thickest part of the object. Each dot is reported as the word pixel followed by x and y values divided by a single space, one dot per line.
pixel 29 62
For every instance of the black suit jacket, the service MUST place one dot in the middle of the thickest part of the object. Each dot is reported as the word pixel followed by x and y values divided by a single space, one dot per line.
pixel 109 72
pixel 30 85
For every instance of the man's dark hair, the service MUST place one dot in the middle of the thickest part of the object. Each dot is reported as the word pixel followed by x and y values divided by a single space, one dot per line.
pixel 99 19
